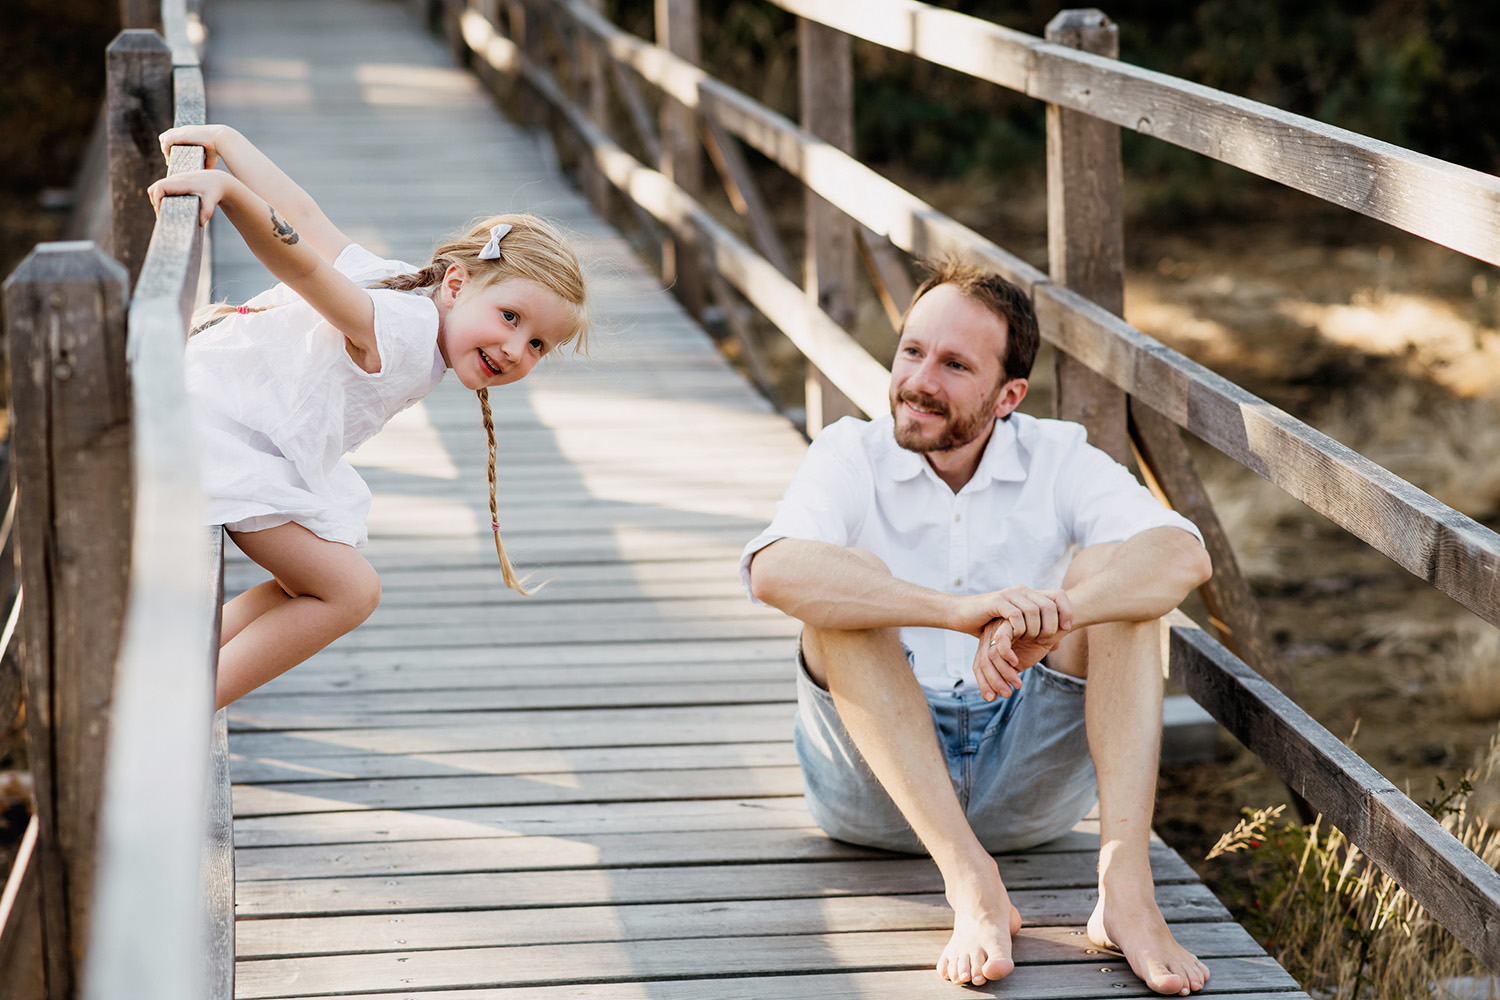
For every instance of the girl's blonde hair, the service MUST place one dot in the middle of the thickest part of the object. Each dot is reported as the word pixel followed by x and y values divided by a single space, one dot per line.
pixel 534 249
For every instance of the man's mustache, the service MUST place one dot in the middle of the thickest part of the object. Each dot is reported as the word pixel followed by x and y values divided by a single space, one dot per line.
pixel 925 402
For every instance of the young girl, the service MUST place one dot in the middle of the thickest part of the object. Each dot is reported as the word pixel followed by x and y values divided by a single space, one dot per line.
pixel 284 385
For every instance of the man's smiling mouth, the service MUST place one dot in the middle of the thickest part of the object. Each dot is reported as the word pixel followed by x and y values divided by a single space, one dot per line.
pixel 488 363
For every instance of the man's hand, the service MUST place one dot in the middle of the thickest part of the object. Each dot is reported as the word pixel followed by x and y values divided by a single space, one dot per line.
pixel 1028 625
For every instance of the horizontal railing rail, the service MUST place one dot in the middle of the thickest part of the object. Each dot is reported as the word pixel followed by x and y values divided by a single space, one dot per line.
pixel 1444 203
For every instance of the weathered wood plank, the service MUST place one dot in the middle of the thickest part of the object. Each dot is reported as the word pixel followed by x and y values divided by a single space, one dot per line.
pixel 364 767
pixel 596 818
pixel 1086 234
pixel 275 937
pixel 500 789
pixel 489 890
pixel 65 329
pixel 696 956
pixel 139 107
pixel 1261 978
pixel 532 730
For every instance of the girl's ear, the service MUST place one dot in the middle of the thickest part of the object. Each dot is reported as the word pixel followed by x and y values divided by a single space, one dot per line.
pixel 453 283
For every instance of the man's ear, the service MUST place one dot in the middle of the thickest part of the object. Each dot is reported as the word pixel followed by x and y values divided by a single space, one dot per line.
pixel 1010 396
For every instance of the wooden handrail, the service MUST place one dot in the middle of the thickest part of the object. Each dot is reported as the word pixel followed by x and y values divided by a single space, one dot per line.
pixel 149 935
pixel 1448 204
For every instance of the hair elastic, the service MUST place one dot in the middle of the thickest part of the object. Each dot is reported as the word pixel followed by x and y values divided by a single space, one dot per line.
pixel 495 527
pixel 242 310
pixel 491 249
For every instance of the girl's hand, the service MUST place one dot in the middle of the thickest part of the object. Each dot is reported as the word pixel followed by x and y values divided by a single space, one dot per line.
pixel 209 185
pixel 210 137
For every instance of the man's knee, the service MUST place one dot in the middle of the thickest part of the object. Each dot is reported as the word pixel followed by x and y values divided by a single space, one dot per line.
pixel 823 648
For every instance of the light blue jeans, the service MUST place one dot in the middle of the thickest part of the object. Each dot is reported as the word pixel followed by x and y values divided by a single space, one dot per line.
pixel 1020 765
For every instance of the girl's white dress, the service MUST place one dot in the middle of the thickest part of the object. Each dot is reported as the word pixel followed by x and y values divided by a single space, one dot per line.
pixel 278 402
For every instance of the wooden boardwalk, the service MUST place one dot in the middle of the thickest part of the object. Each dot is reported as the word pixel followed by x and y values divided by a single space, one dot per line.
pixel 590 792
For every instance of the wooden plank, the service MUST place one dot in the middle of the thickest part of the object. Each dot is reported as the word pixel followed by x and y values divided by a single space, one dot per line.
pixel 888 271
pixel 569 887
pixel 539 965
pixel 1445 877
pixel 65 327
pixel 531 730
pixel 1261 979
pixel 1450 205
pixel 515 789
pixel 597 818
pixel 364 767
pixel 22 964
pixel 219 871
pixel 596 853
pixel 139 107
pixel 361 709
pixel 1086 235
pixel 744 193
pixel 1070 907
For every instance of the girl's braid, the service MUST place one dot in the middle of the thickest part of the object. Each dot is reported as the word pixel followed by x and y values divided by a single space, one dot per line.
pixel 505 567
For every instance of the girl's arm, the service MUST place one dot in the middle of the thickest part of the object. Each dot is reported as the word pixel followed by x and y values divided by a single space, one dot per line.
pixel 263 178
pixel 307 271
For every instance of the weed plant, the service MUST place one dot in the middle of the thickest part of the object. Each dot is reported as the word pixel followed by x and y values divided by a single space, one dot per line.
pixel 1342 927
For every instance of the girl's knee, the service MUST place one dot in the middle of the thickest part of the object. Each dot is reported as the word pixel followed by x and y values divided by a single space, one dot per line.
pixel 363 595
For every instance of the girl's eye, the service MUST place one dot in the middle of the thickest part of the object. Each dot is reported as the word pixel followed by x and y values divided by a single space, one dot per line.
pixel 510 317
pixel 538 346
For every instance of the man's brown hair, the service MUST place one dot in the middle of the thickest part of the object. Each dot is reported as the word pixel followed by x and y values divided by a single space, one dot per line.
pixel 1006 300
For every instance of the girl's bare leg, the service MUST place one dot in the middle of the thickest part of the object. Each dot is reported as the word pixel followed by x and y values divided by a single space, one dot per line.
pixel 249 606
pixel 330 590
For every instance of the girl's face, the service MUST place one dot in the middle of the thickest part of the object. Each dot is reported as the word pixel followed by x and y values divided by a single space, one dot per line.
pixel 496 334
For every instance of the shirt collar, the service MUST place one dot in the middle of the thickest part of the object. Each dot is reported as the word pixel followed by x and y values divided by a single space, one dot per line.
pixel 1001 461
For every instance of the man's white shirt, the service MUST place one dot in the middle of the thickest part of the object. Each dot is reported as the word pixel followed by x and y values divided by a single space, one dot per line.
pixel 1040 493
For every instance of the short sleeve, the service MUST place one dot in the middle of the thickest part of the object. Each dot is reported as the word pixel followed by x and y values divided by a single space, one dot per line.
pixel 1099 501
pixel 827 498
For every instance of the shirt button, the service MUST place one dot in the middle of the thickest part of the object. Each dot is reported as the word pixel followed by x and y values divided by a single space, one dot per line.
pixel 957 518
pixel 959 582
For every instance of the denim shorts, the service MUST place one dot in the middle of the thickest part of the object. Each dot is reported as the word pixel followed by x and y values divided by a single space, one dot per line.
pixel 1020 765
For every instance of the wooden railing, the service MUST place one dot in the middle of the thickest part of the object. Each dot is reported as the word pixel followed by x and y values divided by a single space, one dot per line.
pixel 124 887
pixel 1132 392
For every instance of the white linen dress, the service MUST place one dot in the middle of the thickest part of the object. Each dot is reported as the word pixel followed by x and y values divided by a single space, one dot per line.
pixel 278 402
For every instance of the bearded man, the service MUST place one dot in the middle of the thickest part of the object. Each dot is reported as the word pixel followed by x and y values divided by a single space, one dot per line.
pixel 935 558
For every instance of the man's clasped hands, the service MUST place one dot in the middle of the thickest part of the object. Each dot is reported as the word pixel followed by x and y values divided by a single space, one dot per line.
pixel 1017 627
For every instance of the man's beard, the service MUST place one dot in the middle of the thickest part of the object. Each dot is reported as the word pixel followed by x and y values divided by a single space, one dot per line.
pixel 957 432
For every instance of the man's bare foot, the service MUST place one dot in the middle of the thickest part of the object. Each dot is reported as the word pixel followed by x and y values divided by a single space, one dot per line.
pixel 984 923
pixel 1131 923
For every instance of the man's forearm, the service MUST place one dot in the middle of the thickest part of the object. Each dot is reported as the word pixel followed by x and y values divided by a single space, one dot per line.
pixel 828 586
pixel 1146 577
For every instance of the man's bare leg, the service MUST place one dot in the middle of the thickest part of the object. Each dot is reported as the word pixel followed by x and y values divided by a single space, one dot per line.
pixel 1122 712
pixel 885 712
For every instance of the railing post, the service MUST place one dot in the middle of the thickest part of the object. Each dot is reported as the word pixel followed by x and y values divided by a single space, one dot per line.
pixel 139 108
pixel 681 158
pixel 144 14
pixel 1085 242
pixel 1086 233
pixel 65 324
pixel 595 101
pixel 826 83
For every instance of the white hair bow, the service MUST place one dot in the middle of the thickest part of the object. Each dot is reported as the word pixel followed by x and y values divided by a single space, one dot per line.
pixel 492 248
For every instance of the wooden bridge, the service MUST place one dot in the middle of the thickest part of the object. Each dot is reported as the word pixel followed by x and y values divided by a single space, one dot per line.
pixel 591 792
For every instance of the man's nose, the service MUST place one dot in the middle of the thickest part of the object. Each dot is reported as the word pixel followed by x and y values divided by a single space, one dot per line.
pixel 924 378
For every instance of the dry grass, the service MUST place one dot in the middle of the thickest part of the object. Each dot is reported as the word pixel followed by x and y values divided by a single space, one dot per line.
pixel 1339 924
